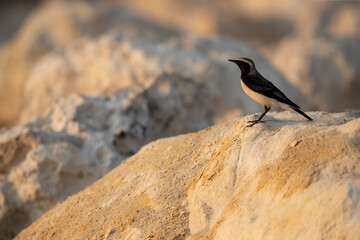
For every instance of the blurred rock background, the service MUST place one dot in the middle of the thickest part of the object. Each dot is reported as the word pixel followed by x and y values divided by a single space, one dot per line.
pixel 314 44
pixel 148 71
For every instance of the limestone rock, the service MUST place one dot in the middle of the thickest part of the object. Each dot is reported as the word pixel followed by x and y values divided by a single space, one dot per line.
pixel 323 61
pixel 324 70
pixel 59 25
pixel 320 56
pixel 53 25
pixel 44 162
pixel 81 138
pixel 300 51
pixel 286 179
pixel 114 62
pixel 162 89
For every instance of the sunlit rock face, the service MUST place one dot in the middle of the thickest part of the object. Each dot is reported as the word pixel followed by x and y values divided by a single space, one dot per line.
pixel 287 179
pixel 90 82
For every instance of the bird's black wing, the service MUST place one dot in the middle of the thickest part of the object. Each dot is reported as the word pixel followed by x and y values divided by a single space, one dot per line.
pixel 261 85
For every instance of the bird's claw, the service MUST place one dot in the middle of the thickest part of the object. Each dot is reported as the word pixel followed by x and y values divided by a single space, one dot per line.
pixel 253 122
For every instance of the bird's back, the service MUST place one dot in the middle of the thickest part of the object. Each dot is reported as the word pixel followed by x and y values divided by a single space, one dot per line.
pixel 256 82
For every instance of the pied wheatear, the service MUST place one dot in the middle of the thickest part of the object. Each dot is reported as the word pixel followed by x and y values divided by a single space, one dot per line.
pixel 263 91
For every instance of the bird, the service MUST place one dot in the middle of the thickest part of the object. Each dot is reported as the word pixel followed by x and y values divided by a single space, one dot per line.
pixel 262 90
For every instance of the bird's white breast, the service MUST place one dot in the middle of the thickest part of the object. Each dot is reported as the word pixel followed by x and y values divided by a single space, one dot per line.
pixel 262 99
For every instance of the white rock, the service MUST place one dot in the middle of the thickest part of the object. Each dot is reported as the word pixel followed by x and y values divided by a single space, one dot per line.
pixel 114 62
pixel 226 182
pixel 82 138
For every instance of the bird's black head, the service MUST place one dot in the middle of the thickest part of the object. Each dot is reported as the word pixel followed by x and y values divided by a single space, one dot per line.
pixel 246 65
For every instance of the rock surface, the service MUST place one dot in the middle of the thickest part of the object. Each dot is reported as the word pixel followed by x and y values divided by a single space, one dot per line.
pixel 167 83
pixel 114 62
pixel 286 179
pixel 53 25
pixel 320 57
pixel 163 88
pixel 82 138
pixel 44 162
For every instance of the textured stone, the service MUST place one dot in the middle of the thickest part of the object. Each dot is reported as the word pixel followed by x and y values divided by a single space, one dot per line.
pixel 114 62
pixel 58 24
pixel 322 59
pixel 167 83
pixel 286 179
pixel 320 56
pixel 43 163
pixel 162 89
pixel 53 25
pixel 82 138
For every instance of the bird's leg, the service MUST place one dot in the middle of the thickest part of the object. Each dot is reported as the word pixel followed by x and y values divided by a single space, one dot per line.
pixel 253 122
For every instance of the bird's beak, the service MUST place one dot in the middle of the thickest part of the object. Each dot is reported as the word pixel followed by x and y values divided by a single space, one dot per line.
pixel 232 60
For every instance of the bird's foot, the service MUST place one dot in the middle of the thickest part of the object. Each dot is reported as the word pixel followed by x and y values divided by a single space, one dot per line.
pixel 253 122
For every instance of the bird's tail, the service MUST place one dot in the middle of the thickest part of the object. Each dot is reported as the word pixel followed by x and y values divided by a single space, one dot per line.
pixel 302 113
